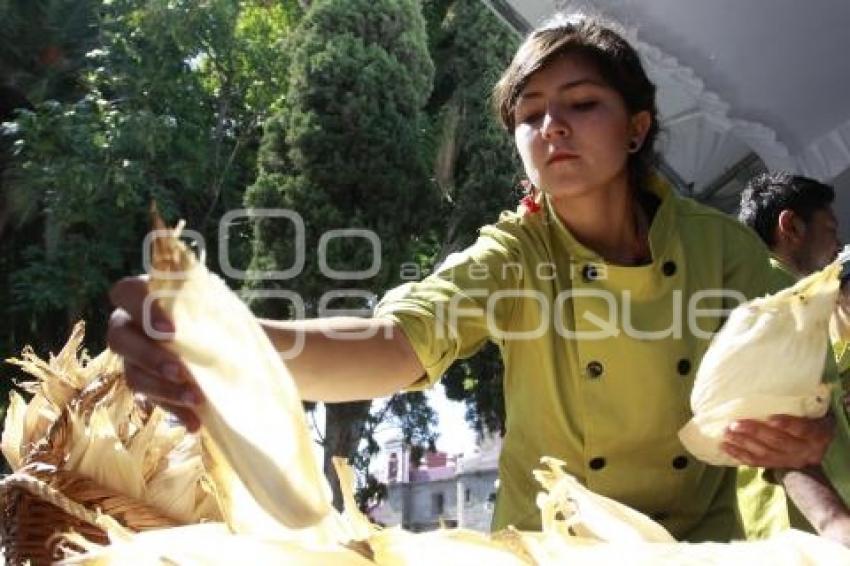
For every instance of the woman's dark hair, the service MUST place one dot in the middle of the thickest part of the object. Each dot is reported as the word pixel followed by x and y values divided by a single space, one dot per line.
pixel 615 60
pixel 767 195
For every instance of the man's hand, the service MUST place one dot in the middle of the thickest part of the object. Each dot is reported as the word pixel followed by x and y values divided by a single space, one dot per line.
pixel 819 503
pixel 838 530
pixel 782 441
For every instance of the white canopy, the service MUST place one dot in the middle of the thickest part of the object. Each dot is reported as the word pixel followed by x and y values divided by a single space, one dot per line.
pixel 736 79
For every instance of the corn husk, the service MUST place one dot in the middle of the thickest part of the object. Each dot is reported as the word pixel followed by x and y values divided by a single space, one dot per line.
pixel 581 527
pixel 13 431
pixel 839 324
pixel 396 547
pixel 243 514
pixel 788 548
pixel 253 415
pixel 570 509
pixel 208 543
pixel 56 382
pixel 248 530
pixel 767 359
pixel 109 437
pixel 104 458
pixel 174 488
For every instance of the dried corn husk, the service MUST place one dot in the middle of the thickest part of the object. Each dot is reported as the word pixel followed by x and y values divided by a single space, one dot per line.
pixel 581 527
pixel 244 515
pixel 253 413
pixel 767 359
pixel 56 383
pixel 258 535
pixel 788 548
pixel 588 515
pixel 104 458
pixel 839 324
pixel 108 437
pixel 13 431
pixel 396 547
pixel 174 488
pixel 207 543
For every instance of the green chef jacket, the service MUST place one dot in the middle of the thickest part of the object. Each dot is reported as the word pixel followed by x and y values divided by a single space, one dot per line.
pixel 599 358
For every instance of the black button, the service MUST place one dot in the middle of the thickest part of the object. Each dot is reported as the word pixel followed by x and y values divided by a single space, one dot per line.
pixel 669 268
pixel 597 463
pixel 589 272
pixel 684 366
pixel 680 462
pixel 594 370
pixel 660 516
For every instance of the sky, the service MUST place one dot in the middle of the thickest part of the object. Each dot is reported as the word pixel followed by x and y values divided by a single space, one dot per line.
pixel 455 434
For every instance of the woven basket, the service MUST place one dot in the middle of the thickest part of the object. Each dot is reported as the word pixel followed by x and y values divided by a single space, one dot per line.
pixel 34 512
pixel 41 501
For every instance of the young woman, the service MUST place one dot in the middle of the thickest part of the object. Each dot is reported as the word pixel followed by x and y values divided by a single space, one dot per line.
pixel 599 292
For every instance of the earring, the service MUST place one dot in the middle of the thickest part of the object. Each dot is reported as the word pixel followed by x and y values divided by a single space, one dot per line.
pixel 634 145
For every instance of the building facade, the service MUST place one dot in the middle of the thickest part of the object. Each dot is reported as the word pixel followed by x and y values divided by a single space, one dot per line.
pixel 440 490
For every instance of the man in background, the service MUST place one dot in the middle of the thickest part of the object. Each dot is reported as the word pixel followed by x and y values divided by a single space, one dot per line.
pixel 793 216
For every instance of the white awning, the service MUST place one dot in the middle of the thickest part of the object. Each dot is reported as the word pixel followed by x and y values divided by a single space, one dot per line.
pixel 736 77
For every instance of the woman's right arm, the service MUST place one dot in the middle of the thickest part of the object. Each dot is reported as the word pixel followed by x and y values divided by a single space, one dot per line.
pixel 335 359
pixel 345 358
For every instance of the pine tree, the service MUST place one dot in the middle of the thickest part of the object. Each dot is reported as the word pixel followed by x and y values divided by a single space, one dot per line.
pixel 477 168
pixel 346 153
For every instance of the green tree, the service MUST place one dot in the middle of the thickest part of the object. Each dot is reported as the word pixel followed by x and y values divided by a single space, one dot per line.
pixel 476 167
pixel 42 49
pixel 171 98
pixel 346 153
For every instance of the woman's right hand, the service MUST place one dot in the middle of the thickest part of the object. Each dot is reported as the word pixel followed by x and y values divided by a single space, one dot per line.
pixel 150 367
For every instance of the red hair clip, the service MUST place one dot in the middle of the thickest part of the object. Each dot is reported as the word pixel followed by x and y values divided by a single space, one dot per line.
pixel 529 200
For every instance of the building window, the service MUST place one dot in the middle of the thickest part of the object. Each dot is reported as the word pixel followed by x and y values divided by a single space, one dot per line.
pixel 491 500
pixel 438 504
pixel 467 495
pixel 392 472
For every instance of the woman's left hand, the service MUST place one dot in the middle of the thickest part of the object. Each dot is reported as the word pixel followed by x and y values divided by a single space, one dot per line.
pixel 782 441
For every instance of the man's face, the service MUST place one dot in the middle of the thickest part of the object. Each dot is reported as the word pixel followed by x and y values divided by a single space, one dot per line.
pixel 820 242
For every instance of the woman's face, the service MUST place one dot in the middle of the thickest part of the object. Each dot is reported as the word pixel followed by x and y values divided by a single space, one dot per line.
pixel 573 130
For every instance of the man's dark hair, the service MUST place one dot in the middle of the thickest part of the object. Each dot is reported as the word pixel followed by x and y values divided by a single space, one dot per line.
pixel 768 194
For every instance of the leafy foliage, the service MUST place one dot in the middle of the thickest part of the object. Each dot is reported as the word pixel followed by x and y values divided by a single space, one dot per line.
pixel 167 106
pixel 344 153
pixel 43 45
pixel 374 115
pixel 477 168
pixel 413 418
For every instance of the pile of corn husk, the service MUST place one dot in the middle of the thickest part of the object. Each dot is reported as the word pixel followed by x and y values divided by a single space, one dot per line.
pixel 768 359
pixel 277 512
pixel 116 441
pixel 579 528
